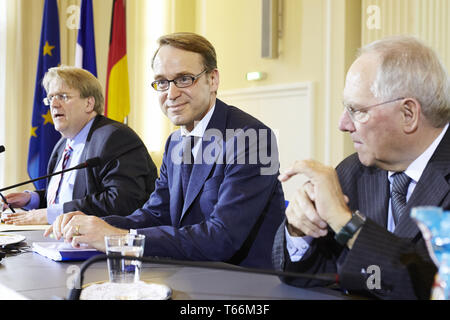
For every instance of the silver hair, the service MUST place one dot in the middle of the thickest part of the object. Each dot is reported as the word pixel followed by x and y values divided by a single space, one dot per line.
pixel 411 69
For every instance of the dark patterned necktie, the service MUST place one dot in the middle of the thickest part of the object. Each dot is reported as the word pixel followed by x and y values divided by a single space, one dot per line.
pixel 53 192
pixel 187 162
pixel 398 194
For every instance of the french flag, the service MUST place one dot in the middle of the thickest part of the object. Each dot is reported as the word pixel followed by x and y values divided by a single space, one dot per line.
pixel 85 48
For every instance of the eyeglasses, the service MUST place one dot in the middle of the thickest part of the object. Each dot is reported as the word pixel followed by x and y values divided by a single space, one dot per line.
pixel 64 97
pixel 361 115
pixel 183 81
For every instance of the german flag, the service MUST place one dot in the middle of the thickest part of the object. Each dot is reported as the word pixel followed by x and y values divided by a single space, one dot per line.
pixel 117 97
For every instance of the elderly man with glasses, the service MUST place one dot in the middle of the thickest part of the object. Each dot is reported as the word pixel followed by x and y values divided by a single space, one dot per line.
pixel 354 221
pixel 216 199
pixel 122 181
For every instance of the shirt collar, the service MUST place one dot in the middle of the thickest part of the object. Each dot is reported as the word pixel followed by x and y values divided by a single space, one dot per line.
pixel 415 169
pixel 200 127
pixel 80 138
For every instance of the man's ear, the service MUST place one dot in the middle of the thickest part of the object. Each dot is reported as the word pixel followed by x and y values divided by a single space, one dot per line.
pixel 411 110
pixel 90 104
pixel 214 80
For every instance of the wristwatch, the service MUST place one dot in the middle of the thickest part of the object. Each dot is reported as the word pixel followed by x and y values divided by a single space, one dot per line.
pixel 351 227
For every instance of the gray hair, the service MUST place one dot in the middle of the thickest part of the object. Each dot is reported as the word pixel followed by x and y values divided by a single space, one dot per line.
pixel 411 69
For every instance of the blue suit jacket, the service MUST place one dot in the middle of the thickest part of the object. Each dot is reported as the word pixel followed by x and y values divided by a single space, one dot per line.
pixel 231 211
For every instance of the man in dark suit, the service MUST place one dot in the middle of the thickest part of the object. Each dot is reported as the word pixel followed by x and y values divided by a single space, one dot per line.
pixel 230 205
pixel 122 181
pixel 354 221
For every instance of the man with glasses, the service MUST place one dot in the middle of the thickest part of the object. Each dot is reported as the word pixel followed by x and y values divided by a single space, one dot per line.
pixel 354 221
pixel 119 185
pixel 214 200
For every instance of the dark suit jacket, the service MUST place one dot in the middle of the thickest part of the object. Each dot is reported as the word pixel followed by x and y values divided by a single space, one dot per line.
pixel 407 271
pixel 121 183
pixel 231 211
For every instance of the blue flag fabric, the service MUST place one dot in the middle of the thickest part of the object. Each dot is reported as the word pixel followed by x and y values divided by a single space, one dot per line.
pixel 85 50
pixel 43 134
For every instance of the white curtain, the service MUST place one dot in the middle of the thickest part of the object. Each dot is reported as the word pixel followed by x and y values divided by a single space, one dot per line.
pixel 2 85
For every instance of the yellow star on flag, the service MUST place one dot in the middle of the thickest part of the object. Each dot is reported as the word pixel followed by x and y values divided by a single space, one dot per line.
pixel 47 117
pixel 48 49
pixel 33 132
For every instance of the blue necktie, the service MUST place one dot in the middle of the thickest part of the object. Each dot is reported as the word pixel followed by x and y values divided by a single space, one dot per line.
pixel 187 162
pixel 398 195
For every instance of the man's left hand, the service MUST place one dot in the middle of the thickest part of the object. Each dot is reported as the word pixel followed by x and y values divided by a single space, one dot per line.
pixel 324 190
pixel 91 230
pixel 38 216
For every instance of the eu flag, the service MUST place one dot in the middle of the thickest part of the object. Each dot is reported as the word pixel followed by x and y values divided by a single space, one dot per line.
pixel 85 49
pixel 43 134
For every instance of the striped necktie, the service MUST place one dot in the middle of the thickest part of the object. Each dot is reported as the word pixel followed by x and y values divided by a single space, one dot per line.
pixel 53 191
pixel 398 195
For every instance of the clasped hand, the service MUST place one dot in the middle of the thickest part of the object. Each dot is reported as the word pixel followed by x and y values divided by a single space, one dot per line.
pixel 319 203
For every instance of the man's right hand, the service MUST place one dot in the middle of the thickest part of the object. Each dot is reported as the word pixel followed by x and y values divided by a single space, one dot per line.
pixel 17 200
pixel 318 203
pixel 302 217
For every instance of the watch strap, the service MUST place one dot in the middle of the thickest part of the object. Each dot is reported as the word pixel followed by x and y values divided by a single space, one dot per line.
pixel 350 228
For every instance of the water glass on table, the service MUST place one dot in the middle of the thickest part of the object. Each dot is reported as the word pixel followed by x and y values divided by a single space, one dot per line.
pixel 120 270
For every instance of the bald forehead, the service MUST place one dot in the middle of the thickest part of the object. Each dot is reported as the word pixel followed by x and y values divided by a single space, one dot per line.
pixel 361 75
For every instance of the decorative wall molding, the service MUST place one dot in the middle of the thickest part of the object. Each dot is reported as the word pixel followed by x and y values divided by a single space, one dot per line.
pixel 288 109
pixel 427 19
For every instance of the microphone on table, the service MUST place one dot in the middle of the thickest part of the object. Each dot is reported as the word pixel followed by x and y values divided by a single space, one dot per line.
pixel 75 292
pixel 93 162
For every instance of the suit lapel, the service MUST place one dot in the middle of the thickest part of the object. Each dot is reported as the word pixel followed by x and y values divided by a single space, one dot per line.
pixel 80 184
pixel 212 149
pixel 176 189
pixel 79 187
pixel 373 190
pixel 56 155
pixel 54 158
pixel 431 189
pixel 200 173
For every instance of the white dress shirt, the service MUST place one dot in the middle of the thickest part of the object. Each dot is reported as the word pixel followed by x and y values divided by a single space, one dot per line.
pixel 198 131
pixel 65 193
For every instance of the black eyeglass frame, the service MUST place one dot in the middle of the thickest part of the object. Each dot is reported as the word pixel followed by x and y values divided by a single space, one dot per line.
pixel 177 80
